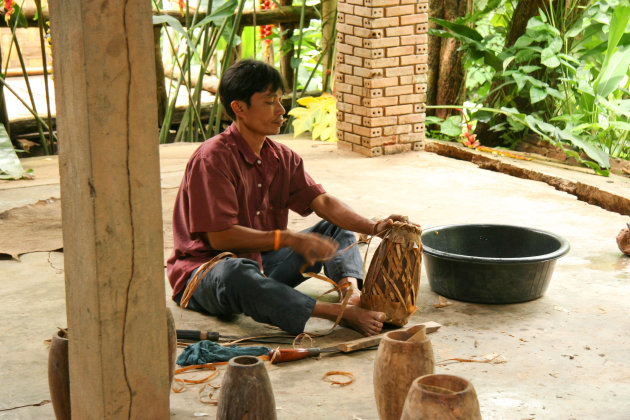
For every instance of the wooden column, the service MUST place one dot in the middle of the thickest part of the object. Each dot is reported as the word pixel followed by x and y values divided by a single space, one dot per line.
pixel 105 89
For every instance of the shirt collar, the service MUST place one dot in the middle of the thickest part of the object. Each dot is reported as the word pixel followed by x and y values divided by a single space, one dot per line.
pixel 246 151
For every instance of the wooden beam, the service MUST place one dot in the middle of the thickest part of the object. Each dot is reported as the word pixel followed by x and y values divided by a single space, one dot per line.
pixel 289 14
pixel 111 211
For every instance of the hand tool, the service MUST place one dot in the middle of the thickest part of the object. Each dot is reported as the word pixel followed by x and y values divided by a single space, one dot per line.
pixel 289 355
pixel 196 335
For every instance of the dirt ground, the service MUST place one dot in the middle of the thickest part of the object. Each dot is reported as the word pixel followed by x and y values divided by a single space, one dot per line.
pixel 563 356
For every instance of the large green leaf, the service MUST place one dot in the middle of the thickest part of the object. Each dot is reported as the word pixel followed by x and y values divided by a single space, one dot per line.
pixel 613 73
pixel 10 166
pixel 537 94
pixel 217 17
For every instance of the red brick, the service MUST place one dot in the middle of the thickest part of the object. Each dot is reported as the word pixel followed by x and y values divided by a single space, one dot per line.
pixel 398 71
pixel 382 3
pixel 397 129
pixel 377 141
pixel 408 119
pixel 354 80
pixel 345 48
pixel 423 99
pixel 375 112
pixel 422 28
pixel 409 99
pixel 344 28
pixel 392 149
pixel 406 80
pixel 352 99
pixel 371 23
pixel 343 87
pixel 374 93
pixel 419 127
pixel 367 151
pixel 375 33
pixel 369 12
pixel 398 51
pixel 367 73
pixel 422 7
pixel 353 40
pixel 352 138
pixel 345 8
pixel 399 30
pixel 340 116
pixel 408 1
pixel 381 42
pixel 420 88
pixel 340 37
pixel 420 78
pixel 357 2
pixel 414 39
pixel 344 126
pixel 342 106
pixel 339 77
pixel 422 48
pixel 362 32
pixel 351 118
pixel 369 53
pixel 381 82
pixel 385 63
pixel 417 146
pixel 360 110
pixel 398 90
pixel 399 10
pixel 368 132
pixel 421 68
pixel 378 102
pixel 341 18
pixel 412 137
pixel 344 68
pixel 354 20
pixel 379 121
pixel 359 91
pixel 353 60
pixel 343 145
pixel 398 110
pixel 413 59
pixel 413 19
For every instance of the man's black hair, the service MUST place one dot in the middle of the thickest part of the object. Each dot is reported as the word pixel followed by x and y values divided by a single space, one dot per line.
pixel 246 77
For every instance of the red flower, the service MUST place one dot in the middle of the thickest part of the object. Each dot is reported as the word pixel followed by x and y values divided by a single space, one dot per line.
pixel 181 6
pixel 8 5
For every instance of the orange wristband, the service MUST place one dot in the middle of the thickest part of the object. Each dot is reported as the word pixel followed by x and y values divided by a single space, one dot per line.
pixel 276 240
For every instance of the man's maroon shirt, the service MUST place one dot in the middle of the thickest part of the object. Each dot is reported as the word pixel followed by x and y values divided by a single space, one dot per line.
pixel 226 184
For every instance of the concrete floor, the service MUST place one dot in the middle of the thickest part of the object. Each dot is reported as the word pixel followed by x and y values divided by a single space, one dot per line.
pixel 564 356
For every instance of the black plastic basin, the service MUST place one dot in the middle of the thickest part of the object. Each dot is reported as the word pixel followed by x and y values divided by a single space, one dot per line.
pixel 486 263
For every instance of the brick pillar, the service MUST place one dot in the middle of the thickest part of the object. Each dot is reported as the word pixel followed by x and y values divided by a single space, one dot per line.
pixel 381 75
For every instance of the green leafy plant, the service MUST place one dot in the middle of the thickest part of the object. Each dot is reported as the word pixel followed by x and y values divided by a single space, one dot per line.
pixel 317 115
pixel 566 78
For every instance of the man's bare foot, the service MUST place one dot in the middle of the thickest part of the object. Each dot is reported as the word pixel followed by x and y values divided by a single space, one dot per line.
pixel 363 320
pixel 355 297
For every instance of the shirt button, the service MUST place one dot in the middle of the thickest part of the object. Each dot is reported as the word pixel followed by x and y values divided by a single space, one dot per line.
pixel 259 185
pixel 259 161
pixel 258 212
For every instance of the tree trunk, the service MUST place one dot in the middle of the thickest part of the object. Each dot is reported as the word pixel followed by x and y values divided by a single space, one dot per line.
pixel 447 77
pixel 328 25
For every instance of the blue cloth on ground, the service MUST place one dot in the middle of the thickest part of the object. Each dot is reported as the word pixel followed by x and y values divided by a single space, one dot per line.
pixel 206 351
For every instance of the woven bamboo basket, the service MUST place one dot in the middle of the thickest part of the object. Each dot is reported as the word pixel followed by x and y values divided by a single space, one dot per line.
pixel 392 281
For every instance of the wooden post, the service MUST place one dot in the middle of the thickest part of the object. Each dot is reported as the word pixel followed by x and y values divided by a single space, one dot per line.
pixel 162 97
pixel 112 226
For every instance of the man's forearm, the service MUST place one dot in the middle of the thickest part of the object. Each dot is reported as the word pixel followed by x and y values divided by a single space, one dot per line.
pixel 339 214
pixel 242 239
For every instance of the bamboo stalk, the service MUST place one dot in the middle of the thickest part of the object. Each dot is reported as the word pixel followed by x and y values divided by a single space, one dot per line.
pixel 42 44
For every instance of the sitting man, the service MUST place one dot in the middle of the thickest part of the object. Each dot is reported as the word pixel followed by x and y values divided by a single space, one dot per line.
pixel 235 196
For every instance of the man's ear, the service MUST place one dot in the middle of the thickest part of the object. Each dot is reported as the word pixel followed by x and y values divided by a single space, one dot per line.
pixel 237 106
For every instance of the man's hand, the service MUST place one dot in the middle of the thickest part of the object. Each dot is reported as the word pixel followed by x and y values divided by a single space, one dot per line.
pixel 383 225
pixel 312 246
